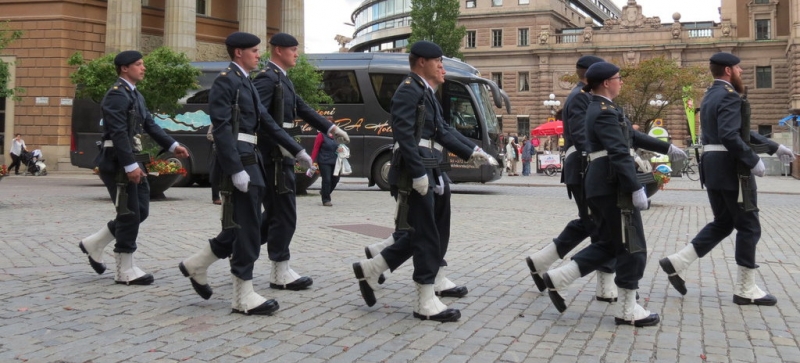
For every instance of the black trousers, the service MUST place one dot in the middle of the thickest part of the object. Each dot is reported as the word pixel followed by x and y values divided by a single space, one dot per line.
pixel 243 245
pixel 630 266
pixel 578 229
pixel 15 163
pixel 422 244
pixel 728 215
pixel 329 181
pixel 126 228
pixel 279 220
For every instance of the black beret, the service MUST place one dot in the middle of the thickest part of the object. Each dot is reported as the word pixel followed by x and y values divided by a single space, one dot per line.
pixel 426 49
pixel 127 57
pixel 601 71
pixel 724 59
pixel 586 61
pixel 242 40
pixel 283 40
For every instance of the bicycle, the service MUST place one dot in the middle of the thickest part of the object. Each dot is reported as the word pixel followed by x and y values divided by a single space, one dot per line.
pixel 691 169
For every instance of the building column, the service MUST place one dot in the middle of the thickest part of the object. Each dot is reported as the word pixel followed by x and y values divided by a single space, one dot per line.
pixel 253 19
pixel 292 21
pixel 123 25
pixel 180 26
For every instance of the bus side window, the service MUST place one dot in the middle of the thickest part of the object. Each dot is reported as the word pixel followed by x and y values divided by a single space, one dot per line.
pixel 459 111
pixel 199 97
pixel 384 85
pixel 341 86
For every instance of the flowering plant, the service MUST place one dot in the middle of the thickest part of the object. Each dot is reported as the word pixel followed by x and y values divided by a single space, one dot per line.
pixel 3 170
pixel 299 170
pixel 161 166
pixel 661 178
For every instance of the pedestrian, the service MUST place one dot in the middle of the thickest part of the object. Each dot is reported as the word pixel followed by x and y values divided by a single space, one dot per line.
pixel 17 148
pixel 511 156
pixel 240 160
pixel 527 156
pixel 611 177
pixel 415 178
pixel 729 190
pixel 574 117
pixel 213 172
pixel 280 208
pixel 326 157
pixel 121 168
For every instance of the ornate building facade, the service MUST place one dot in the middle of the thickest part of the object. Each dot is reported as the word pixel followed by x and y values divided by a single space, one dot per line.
pixel 54 30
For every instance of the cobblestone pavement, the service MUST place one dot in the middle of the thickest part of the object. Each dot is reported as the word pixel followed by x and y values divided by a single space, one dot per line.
pixel 55 308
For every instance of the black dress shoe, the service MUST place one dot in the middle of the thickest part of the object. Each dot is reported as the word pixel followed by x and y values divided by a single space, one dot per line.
pixel 381 278
pixel 448 315
pixel 537 279
pixel 676 281
pixel 204 291
pixel 651 320
pixel 555 297
pixel 366 291
pixel 458 291
pixel 296 285
pixel 147 279
pixel 98 267
pixel 267 308
pixel 768 300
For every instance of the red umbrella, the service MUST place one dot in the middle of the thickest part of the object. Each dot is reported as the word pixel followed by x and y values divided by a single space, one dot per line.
pixel 549 129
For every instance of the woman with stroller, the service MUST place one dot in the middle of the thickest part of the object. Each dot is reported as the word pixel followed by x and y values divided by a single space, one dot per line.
pixel 17 148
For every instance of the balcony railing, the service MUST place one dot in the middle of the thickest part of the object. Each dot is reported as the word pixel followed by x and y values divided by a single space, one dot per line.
pixel 567 38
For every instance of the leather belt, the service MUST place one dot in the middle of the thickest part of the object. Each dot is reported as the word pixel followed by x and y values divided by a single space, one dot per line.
pixel 108 143
pixel 714 147
pixel 570 150
pixel 424 143
pixel 253 139
pixel 603 153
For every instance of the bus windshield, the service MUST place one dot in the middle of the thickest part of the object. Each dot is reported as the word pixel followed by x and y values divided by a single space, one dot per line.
pixel 485 105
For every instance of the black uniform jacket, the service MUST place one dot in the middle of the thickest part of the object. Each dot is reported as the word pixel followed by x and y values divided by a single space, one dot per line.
pixel 116 105
pixel 404 115
pixel 574 116
pixel 293 105
pixel 252 120
pixel 617 171
pixel 721 121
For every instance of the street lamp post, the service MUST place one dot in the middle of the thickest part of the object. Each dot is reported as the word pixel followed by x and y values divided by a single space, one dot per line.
pixel 552 103
pixel 658 102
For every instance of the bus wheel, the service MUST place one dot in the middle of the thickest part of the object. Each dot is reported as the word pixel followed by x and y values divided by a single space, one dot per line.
pixel 380 170
pixel 183 181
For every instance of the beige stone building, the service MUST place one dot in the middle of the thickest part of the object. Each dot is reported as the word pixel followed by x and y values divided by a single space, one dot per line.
pixel 54 30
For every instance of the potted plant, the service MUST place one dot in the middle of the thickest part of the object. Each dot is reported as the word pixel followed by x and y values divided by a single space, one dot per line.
pixel 3 171
pixel 161 174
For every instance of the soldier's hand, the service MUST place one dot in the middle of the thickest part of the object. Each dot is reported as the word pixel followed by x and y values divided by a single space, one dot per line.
pixel 339 135
pixel 420 184
pixel 676 154
pixel 492 161
pixel 181 152
pixel 136 176
pixel 241 180
pixel 785 154
pixel 640 199
pixel 304 160
pixel 759 170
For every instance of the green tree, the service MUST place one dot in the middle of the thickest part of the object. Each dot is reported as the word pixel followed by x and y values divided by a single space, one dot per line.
pixel 6 37
pixel 436 21
pixel 168 76
pixel 307 81
pixel 651 77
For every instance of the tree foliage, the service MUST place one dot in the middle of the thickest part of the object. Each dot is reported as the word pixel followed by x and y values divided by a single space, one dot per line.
pixel 6 37
pixel 643 81
pixel 307 81
pixel 169 75
pixel 436 21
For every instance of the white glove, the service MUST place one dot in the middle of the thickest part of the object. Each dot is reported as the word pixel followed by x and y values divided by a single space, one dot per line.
pixel 240 180
pixel 759 169
pixel 640 199
pixel 492 160
pixel 304 160
pixel 439 187
pixel 676 154
pixel 785 154
pixel 481 157
pixel 339 135
pixel 420 184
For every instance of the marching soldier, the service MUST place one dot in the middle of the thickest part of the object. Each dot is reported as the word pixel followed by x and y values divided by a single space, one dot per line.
pixel 614 196
pixel 279 220
pixel 237 117
pixel 418 129
pixel 125 118
pixel 728 164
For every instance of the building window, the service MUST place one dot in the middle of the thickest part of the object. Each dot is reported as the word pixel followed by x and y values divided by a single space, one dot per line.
pixel 470 4
pixel 524 2
pixel 764 77
pixel 470 39
pixel 498 78
pixel 762 30
pixel 523 81
pixel 497 37
pixel 522 37
pixel 523 127
pixel 202 7
pixel 497 2
pixel 761 2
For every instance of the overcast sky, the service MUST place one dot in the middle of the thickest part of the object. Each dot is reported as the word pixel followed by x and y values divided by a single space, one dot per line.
pixel 325 18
